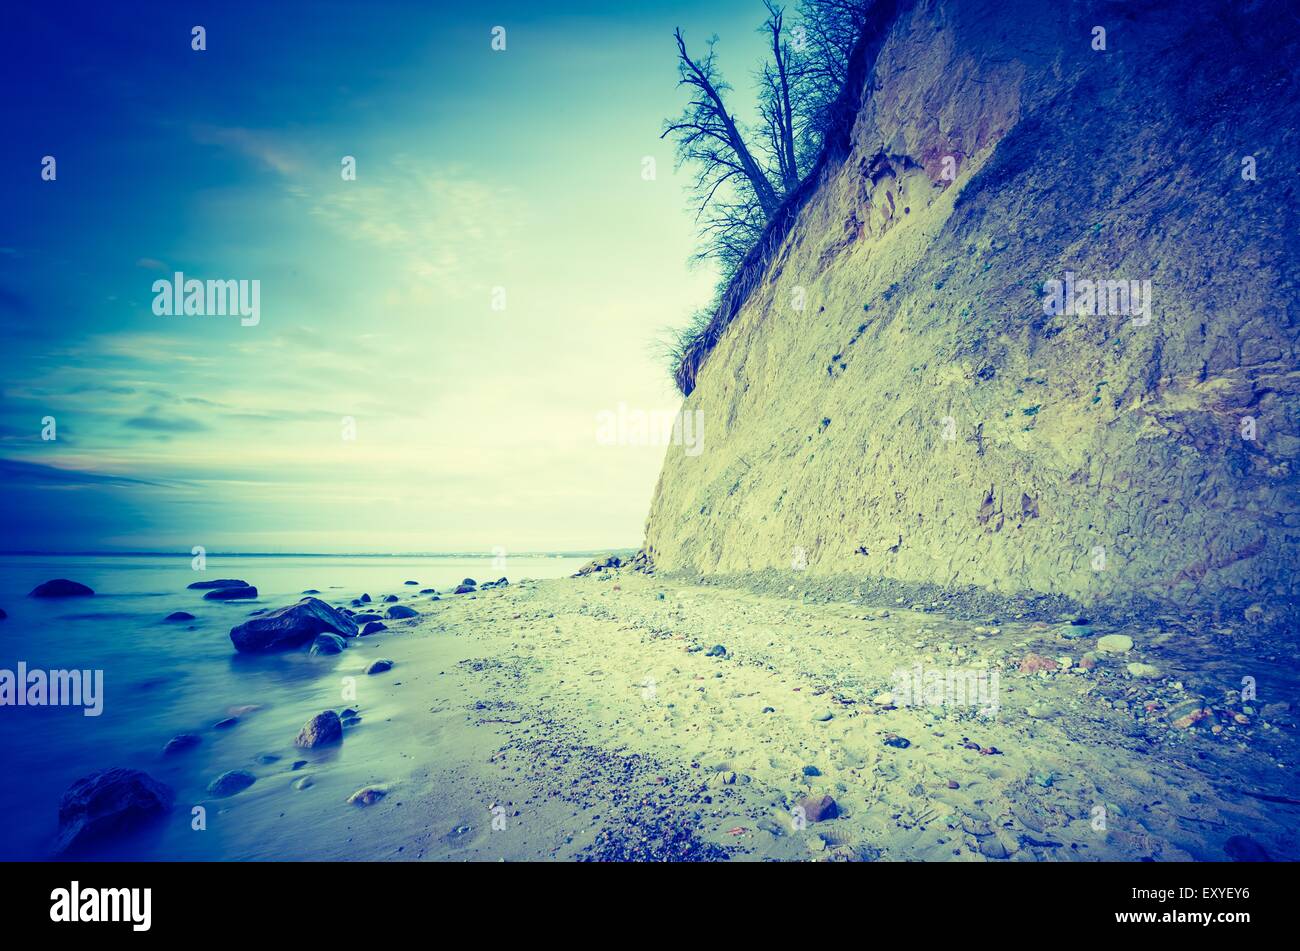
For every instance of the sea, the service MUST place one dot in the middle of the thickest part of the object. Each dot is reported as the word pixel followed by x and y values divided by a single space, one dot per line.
pixel 163 678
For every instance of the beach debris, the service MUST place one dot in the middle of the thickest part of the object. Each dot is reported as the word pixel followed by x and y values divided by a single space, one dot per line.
pixel 398 611
pixel 326 643
pixel 321 730
pixel 179 616
pixel 180 743
pixel 61 588
pixel 231 783
pixel 291 626
pixel 106 803
pixel 379 666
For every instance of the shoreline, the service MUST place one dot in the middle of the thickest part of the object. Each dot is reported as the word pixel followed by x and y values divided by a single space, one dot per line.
pixel 624 715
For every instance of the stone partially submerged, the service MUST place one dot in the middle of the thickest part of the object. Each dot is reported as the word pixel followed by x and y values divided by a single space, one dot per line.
pixel 61 588
pixel 291 626
pixel 108 803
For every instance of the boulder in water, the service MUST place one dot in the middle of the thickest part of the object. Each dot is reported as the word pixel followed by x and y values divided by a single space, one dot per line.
pixel 107 803
pixel 180 743
pixel 218 583
pixel 291 626
pixel 179 616
pixel 243 593
pixel 61 588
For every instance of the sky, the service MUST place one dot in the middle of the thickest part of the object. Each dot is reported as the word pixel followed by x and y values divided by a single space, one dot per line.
pixel 499 273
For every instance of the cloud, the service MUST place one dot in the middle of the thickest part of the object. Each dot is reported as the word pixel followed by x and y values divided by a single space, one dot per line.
pixel 261 147
pixel 153 422
pixel 16 472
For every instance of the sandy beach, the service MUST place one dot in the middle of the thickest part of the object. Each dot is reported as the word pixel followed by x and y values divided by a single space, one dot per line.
pixel 624 716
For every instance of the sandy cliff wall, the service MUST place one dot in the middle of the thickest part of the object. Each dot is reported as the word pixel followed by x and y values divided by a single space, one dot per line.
pixel 893 401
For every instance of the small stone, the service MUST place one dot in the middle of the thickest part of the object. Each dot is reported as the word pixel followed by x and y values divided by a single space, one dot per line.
pixel 179 616
pixel 883 699
pixel 321 730
pixel 180 743
pixel 811 771
pixel 379 666
pixel 367 796
pixel 819 808
pixel 1032 663
pixel 1144 671
pixel 305 783
pixel 897 742
pixel 1115 644
pixel 326 643
pixel 823 717
pixel 717 650
pixel 230 783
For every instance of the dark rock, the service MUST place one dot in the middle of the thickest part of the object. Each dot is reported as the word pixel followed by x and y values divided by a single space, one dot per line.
pixel 321 730
pixel 502 582
pixel 311 591
pixel 401 611
pixel 291 626
pixel 298 764
pixel 219 583
pixel 469 581
pixel 326 643
pixel 819 808
pixel 898 742
pixel 109 802
pixel 717 650
pixel 367 796
pixel 811 771
pixel 231 594
pixel 180 743
pixel 379 666
pixel 61 588
pixel 225 724
pixel 231 782
pixel 410 582
pixel 465 589
pixel 364 599
pixel 428 591
pixel 1242 848
pixel 180 616
pixel 373 627
pixel 364 616
pixel 390 598
pixel 598 565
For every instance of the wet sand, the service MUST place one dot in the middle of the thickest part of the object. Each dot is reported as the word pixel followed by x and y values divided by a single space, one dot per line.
pixel 594 718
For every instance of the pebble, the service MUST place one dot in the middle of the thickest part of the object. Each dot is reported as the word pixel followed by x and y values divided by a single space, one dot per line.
pixel 1115 644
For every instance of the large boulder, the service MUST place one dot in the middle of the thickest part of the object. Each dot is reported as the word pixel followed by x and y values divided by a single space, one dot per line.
pixel 107 803
pixel 290 627
pixel 61 588
pixel 218 583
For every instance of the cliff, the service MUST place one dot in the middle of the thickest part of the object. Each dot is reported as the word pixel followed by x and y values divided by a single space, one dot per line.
pixel 918 384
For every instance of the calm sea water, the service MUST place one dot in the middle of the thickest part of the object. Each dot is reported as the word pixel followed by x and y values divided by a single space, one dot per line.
pixel 163 678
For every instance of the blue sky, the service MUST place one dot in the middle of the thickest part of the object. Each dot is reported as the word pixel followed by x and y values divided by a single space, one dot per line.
pixel 476 170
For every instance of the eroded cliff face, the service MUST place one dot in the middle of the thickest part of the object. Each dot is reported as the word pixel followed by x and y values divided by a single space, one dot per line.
pixel 893 400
